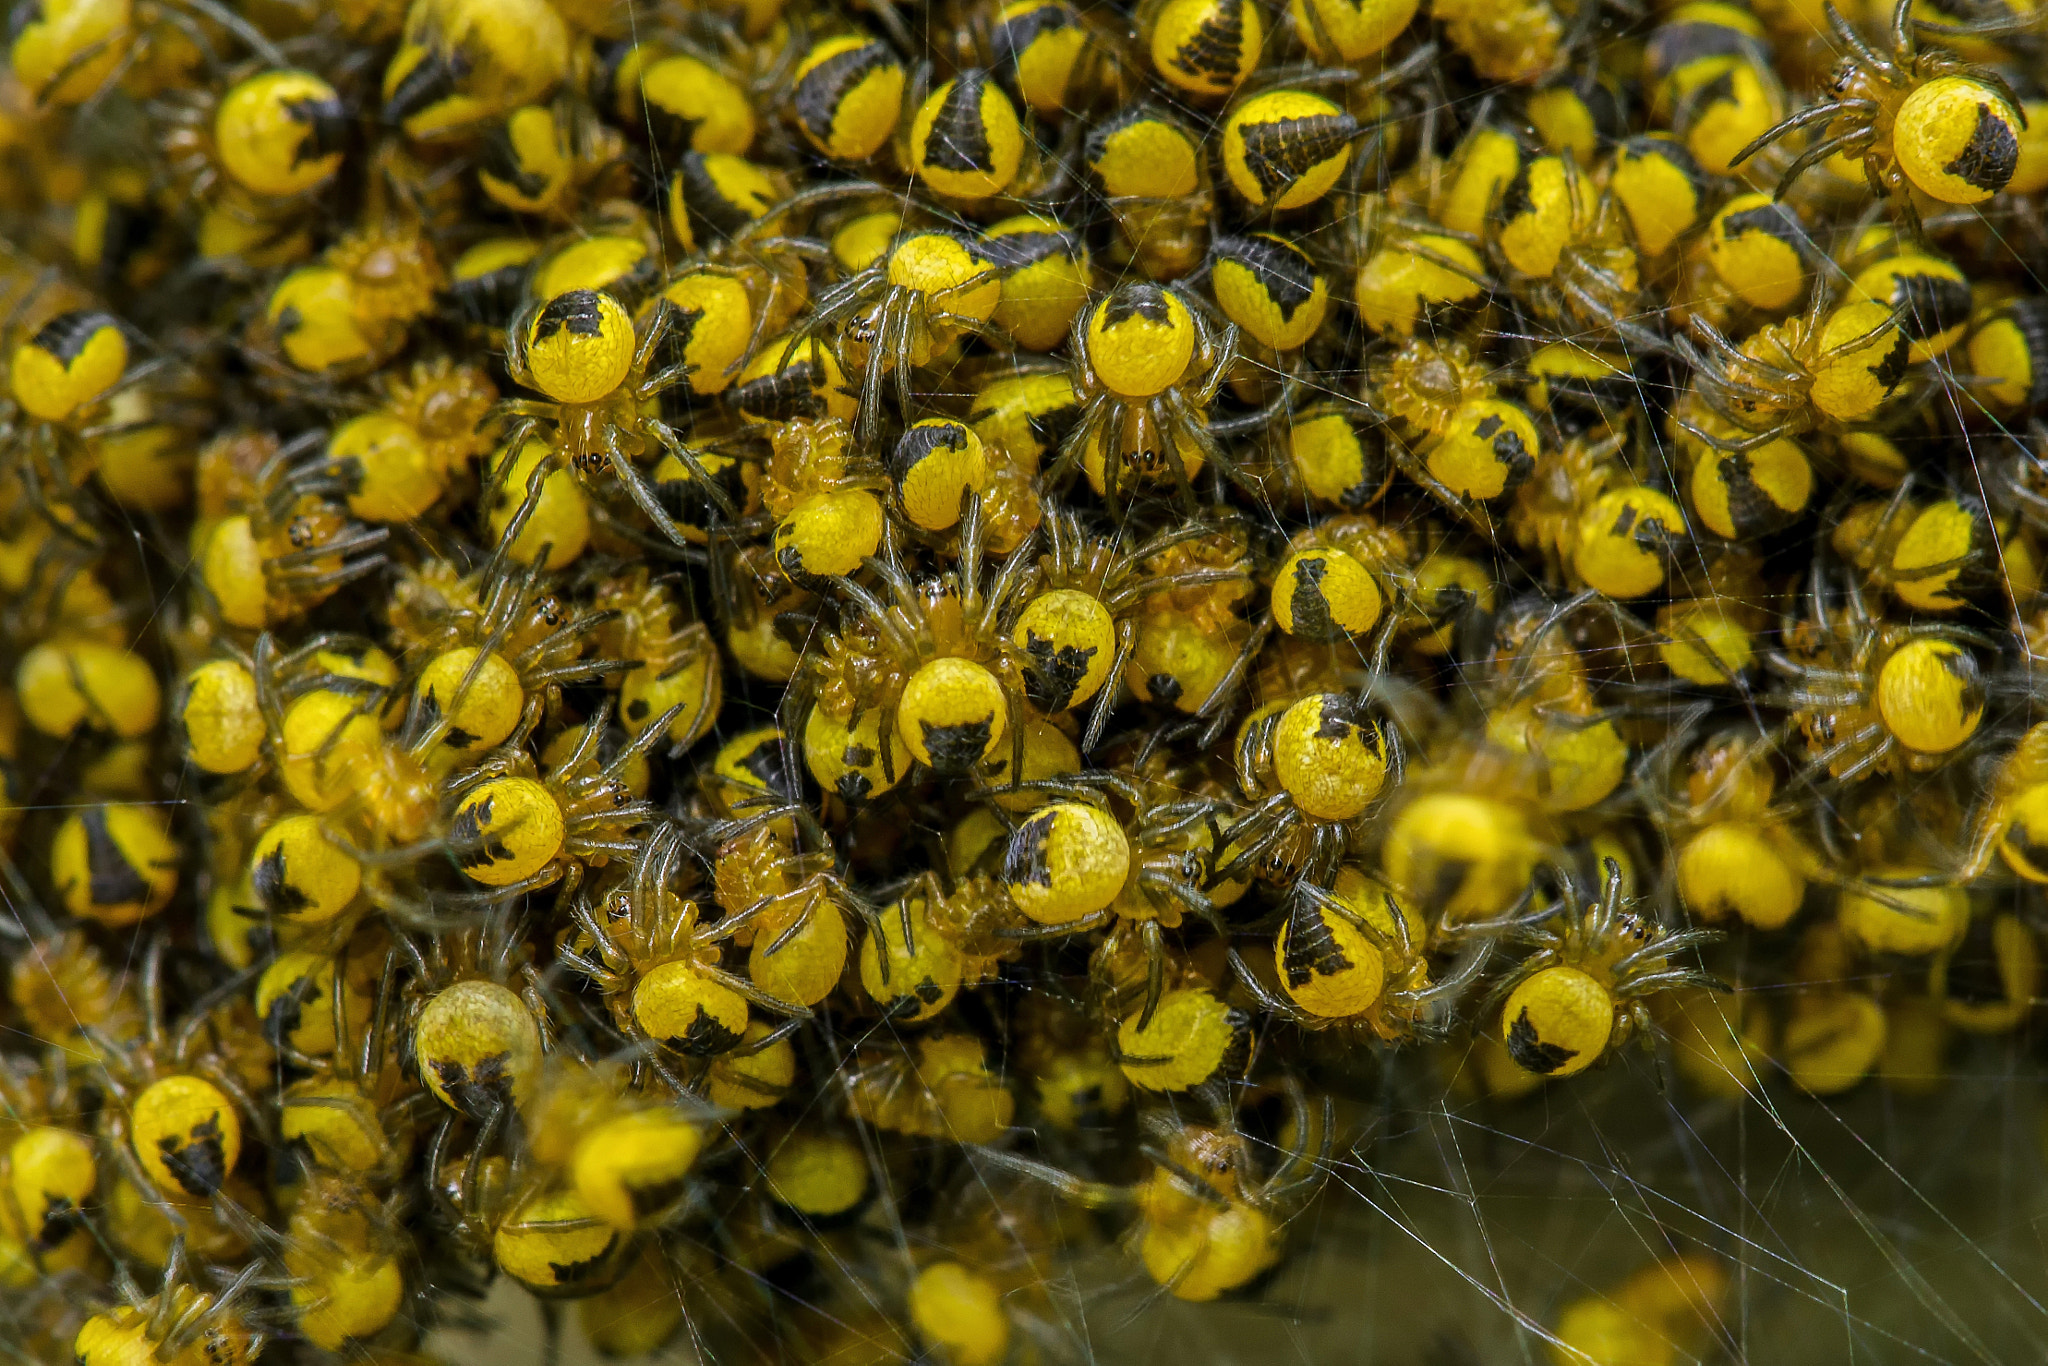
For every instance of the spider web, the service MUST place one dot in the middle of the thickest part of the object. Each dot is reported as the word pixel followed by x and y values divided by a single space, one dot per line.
pixel 1899 1223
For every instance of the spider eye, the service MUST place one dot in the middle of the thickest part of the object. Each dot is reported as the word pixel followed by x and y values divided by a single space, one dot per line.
pixel 1957 139
pixel 1285 149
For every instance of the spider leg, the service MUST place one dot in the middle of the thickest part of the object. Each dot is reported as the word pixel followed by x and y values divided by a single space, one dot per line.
pixel 672 441
pixel 1732 445
pixel 1902 31
pixel 734 982
pixel 1845 33
pixel 1857 141
pixel 868 422
pixel 1154 941
pixel 1268 1002
pixel 658 328
pixel 1890 323
pixel 1106 695
pixel 904 349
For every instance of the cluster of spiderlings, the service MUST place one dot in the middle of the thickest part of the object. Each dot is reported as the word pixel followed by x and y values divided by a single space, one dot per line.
pixel 720 658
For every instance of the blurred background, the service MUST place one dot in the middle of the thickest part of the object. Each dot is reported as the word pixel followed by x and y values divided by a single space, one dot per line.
pixel 1901 1223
